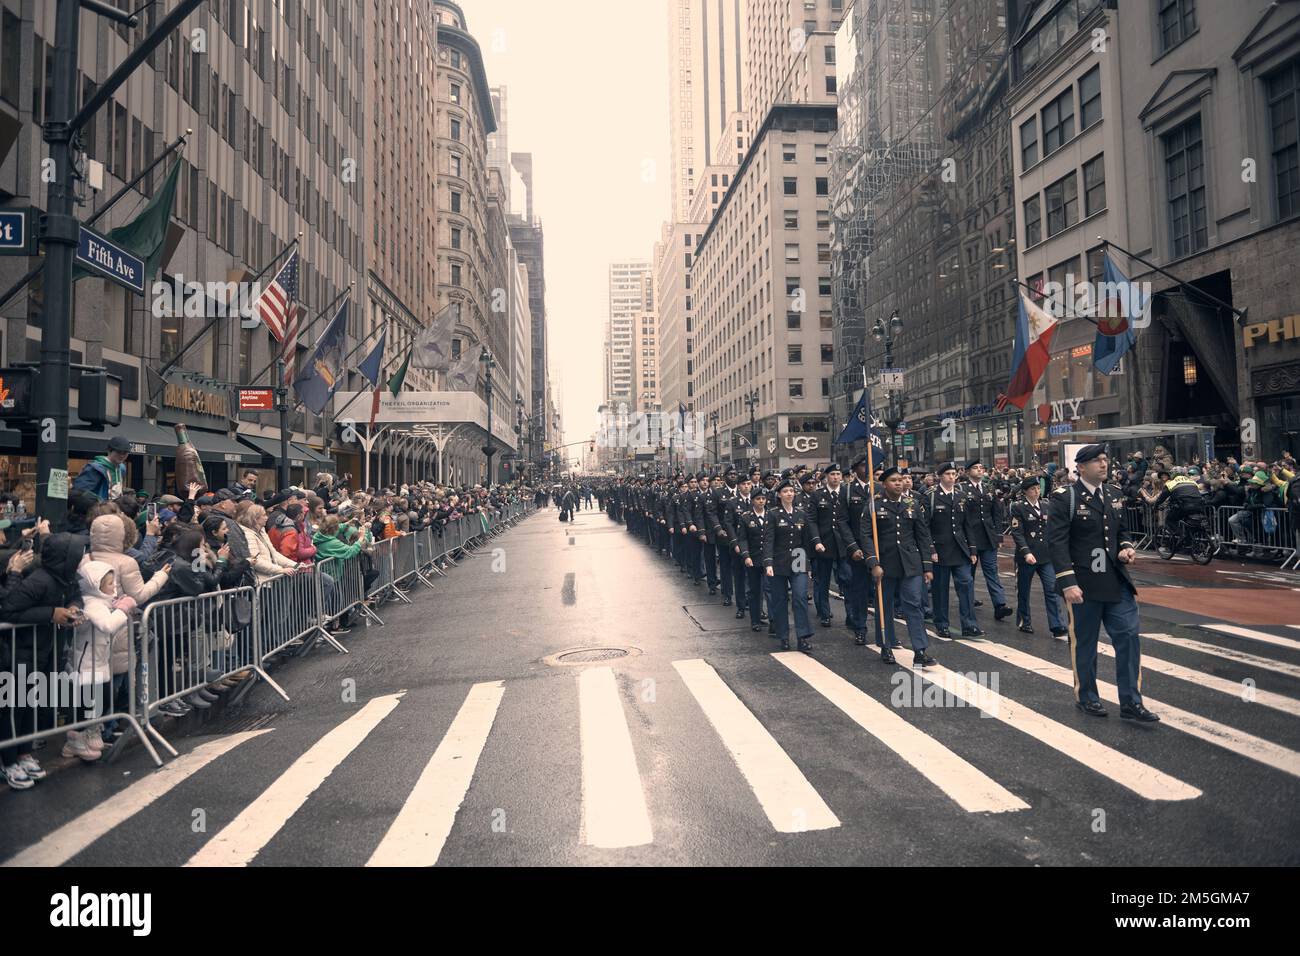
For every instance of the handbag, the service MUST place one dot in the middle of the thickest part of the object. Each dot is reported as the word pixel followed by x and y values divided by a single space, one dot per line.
pixel 1269 522
pixel 240 611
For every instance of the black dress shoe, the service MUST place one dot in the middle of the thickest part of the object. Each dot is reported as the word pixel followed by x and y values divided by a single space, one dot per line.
pixel 971 632
pixel 1060 632
pixel 763 617
pixel 740 612
pixel 923 659
pixel 726 602
pixel 1093 708
pixel 805 645
pixel 1024 629
pixel 827 622
pixel 785 644
pixel 756 627
pixel 979 603
pixel 860 639
pixel 942 632
pixel 887 656
pixel 929 616
pixel 1001 612
pixel 1138 712
pixel 713 590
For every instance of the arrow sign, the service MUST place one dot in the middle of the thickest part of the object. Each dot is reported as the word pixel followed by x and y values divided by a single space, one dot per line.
pixel 111 261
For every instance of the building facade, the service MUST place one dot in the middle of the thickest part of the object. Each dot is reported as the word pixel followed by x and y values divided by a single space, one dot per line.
pixel 629 294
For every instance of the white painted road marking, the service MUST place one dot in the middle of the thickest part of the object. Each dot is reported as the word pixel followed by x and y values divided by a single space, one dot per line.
pixel 970 788
pixel 1233 688
pixel 245 836
pixel 1253 635
pixel 784 793
pixel 613 804
pixel 1228 653
pixel 1142 779
pixel 1211 731
pixel 417 836
pixel 61 845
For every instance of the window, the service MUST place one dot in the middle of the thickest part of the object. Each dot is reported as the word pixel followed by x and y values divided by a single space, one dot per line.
pixel 791 186
pixel 455 164
pixel 1029 143
pixel 793 321
pixel 455 238
pixel 455 59
pixel 455 201
pixel 792 219
pixel 820 155
pixel 455 93
pixel 825 319
pixel 1094 185
pixel 830 86
pixel 791 252
pixel 1096 257
pixel 823 219
pixel 1058 122
pixel 1090 97
pixel 1185 188
pixel 455 130
pixel 1062 204
pixel 788 152
pixel 1177 22
pixel 824 286
pixel 796 388
pixel 1283 90
pixel 1033 222
pixel 829 51
pixel 823 252
pixel 794 354
pixel 828 354
pixel 823 186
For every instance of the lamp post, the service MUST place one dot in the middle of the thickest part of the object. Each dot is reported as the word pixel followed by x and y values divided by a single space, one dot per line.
pixel 713 419
pixel 884 332
pixel 489 363
pixel 752 401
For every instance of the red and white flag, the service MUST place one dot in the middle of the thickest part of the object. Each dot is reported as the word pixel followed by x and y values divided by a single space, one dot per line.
pixel 275 303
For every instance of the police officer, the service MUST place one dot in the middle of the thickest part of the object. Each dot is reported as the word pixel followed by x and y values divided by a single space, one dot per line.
pixel 733 515
pixel 753 528
pixel 831 506
pixel 899 557
pixel 984 535
pixel 1091 561
pixel 952 557
pixel 1033 559
pixel 790 541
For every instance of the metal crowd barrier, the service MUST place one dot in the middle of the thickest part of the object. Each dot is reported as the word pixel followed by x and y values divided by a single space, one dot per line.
pixel 384 583
pixel 349 588
pixel 45 688
pixel 1280 542
pixel 291 611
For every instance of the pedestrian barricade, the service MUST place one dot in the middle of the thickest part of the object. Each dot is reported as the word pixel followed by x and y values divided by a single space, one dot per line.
pixel 291 613
pixel 1256 532
pixel 61 680
pixel 349 578
pixel 382 555
pixel 1138 524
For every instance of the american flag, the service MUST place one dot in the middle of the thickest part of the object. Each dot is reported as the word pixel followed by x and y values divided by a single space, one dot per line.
pixel 275 304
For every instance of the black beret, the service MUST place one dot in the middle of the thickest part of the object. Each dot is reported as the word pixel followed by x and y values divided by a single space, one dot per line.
pixel 770 474
pixel 1028 483
pixel 860 460
pixel 1088 453
pixel 759 492
pixel 787 473
pixel 889 473
pixel 972 463
pixel 833 466
pixel 787 483
pixel 731 470
pixel 118 443
pixel 946 466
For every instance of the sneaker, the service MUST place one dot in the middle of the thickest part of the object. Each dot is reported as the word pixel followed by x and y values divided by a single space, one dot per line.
pixel 194 700
pixel 30 767
pixel 17 778
pixel 207 695
pixel 76 746
pixel 94 740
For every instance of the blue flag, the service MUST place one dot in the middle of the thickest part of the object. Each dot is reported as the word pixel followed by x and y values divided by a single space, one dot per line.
pixel 373 362
pixel 861 423
pixel 318 381
pixel 1120 307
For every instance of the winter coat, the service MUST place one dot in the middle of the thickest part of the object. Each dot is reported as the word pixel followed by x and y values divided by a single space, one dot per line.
pixel 305 552
pixel 107 544
pixel 328 546
pixel 266 562
pixel 101 646
pixel 32 599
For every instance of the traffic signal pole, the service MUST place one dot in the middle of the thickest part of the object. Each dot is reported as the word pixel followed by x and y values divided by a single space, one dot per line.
pixel 61 228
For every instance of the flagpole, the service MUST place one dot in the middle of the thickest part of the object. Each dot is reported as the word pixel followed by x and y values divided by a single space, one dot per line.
pixel 1239 313
pixel 280 354
pixel 1039 292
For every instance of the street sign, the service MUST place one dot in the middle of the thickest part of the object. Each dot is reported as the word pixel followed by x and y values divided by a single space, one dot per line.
pixel 256 399
pixel 17 234
pixel 751 453
pixel 891 378
pixel 901 428
pixel 909 441
pixel 111 261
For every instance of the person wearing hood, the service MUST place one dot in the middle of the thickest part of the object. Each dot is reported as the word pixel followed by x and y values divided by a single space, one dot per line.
pixel 111 537
pixel 105 476
pixel 103 635
pixel 47 596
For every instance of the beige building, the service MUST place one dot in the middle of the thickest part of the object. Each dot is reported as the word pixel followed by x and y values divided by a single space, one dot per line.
pixel 791 53
pixel 674 255
pixel 629 295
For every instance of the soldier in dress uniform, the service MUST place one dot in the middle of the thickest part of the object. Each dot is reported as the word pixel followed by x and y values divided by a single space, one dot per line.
pixel 1091 562
pixel 983 533
pixel 723 536
pixel 953 557
pixel 899 557
pixel 753 527
pixel 732 519
pixel 709 533
pixel 1033 559
pixel 856 594
pixel 790 541
pixel 831 505
pixel 806 501
pixel 680 511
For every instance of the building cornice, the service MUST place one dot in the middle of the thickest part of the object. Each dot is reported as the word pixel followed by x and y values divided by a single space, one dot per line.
pixel 460 40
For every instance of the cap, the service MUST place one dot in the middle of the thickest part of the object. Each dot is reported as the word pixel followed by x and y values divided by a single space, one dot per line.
pixel 946 466
pixel 860 460
pixel 888 473
pixel 809 479
pixel 281 497
pixel 787 483
pixel 169 500
pixel 166 515
pixel 833 467
pixel 206 500
pixel 973 462
pixel 1088 453
pixel 759 492
pixel 118 443
pixel 770 474
pixel 1027 483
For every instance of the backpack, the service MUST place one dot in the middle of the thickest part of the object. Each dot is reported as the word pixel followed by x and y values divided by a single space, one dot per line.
pixel 156 562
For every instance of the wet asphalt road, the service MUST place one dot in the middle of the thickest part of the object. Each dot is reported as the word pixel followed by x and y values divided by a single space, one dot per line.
pixel 546 588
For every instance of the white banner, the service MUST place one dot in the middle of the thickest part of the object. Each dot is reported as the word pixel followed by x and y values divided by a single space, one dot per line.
pixel 428 408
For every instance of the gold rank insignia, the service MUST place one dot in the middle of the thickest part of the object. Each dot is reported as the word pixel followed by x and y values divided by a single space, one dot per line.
pixel 1015 522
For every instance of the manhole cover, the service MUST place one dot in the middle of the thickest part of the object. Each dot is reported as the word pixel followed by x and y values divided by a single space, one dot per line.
pixel 589 655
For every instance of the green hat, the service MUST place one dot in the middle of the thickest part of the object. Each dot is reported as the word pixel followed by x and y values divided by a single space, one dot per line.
pixel 1261 478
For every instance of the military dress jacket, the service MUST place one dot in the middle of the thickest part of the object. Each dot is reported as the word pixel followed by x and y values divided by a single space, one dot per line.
pixel 1084 539
pixel 789 542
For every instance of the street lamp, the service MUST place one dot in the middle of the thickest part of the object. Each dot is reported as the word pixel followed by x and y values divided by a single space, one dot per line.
pixel 752 401
pixel 489 363
pixel 713 418
pixel 885 332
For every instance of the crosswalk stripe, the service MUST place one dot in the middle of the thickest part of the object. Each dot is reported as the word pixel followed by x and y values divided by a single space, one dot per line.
pixel 970 788
pixel 613 804
pixel 1253 635
pixel 1233 688
pixel 417 836
pixel 784 793
pixel 1228 653
pixel 1211 731
pixel 61 845
pixel 1142 779
pixel 245 836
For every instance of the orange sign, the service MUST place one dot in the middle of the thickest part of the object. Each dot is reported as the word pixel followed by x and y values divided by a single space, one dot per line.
pixel 256 399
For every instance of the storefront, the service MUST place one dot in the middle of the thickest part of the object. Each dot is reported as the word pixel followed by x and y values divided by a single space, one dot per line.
pixel 304 461
pixel 1272 353
pixel 204 408
pixel 1072 396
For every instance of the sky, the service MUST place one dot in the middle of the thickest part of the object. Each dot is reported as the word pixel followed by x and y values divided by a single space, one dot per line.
pixel 587 88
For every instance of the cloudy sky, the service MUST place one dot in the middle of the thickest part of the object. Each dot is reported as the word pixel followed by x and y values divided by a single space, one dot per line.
pixel 587 85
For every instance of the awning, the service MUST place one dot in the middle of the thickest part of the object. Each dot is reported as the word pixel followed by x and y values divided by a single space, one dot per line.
pixel 219 447
pixel 300 456
pixel 310 454
pixel 145 439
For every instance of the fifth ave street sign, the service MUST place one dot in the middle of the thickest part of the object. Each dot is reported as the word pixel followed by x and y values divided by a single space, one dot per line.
pixel 102 257
pixel 16 232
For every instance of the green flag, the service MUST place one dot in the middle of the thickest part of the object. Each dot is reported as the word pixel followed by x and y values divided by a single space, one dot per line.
pixel 146 234
pixel 395 383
